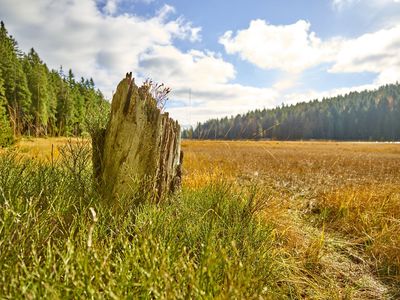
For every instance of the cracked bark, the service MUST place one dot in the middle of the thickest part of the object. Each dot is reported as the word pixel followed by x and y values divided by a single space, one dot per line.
pixel 140 149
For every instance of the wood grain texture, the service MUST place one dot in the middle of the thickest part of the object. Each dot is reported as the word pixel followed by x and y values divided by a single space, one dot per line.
pixel 140 148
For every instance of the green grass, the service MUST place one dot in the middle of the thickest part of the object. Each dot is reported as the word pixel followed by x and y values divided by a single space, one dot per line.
pixel 58 242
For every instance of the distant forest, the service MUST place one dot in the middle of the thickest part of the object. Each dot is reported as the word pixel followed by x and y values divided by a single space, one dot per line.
pixel 37 101
pixel 368 115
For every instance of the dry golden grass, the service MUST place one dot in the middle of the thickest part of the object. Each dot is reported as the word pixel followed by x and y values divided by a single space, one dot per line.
pixel 44 149
pixel 350 190
pixel 370 217
pixel 335 206
pixel 312 164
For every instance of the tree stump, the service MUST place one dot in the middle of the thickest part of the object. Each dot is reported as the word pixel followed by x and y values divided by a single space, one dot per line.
pixel 140 147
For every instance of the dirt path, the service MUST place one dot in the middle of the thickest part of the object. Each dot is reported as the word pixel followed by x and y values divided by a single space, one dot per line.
pixel 341 265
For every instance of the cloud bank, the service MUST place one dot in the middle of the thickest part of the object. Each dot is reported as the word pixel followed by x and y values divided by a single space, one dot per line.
pixel 91 40
pixel 292 48
pixel 295 48
pixel 96 39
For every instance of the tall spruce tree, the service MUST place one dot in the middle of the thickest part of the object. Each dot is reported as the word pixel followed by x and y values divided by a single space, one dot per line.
pixel 6 134
pixel 36 73
pixel 15 83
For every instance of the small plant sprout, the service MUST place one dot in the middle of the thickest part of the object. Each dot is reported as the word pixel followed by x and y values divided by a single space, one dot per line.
pixel 158 91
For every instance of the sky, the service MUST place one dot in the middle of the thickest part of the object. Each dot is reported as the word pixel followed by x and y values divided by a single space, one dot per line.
pixel 219 57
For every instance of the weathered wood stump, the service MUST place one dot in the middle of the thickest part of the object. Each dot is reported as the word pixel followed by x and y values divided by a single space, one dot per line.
pixel 140 147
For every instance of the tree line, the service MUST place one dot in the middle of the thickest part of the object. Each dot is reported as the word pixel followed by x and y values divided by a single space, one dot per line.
pixel 36 101
pixel 367 115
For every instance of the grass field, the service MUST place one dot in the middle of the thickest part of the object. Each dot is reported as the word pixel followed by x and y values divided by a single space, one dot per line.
pixel 272 220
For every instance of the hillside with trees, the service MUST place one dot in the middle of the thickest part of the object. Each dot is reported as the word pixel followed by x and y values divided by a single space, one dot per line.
pixel 37 101
pixel 367 115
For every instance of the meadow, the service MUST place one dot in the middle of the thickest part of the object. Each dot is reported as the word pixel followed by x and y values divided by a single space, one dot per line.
pixel 254 220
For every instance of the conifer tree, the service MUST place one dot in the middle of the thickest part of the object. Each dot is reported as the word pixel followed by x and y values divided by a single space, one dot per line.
pixel 15 83
pixel 38 85
pixel 6 134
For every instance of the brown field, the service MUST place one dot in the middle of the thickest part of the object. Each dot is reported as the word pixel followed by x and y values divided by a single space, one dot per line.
pixel 43 148
pixel 299 165
pixel 336 205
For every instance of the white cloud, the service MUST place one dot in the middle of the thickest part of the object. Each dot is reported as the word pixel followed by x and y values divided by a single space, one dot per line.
pixel 110 7
pixel 79 35
pixel 205 76
pixel 341 4
pixel 183 69
pixel 220 100
pixel 376 52
pixel 292 48
pixel 165 11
